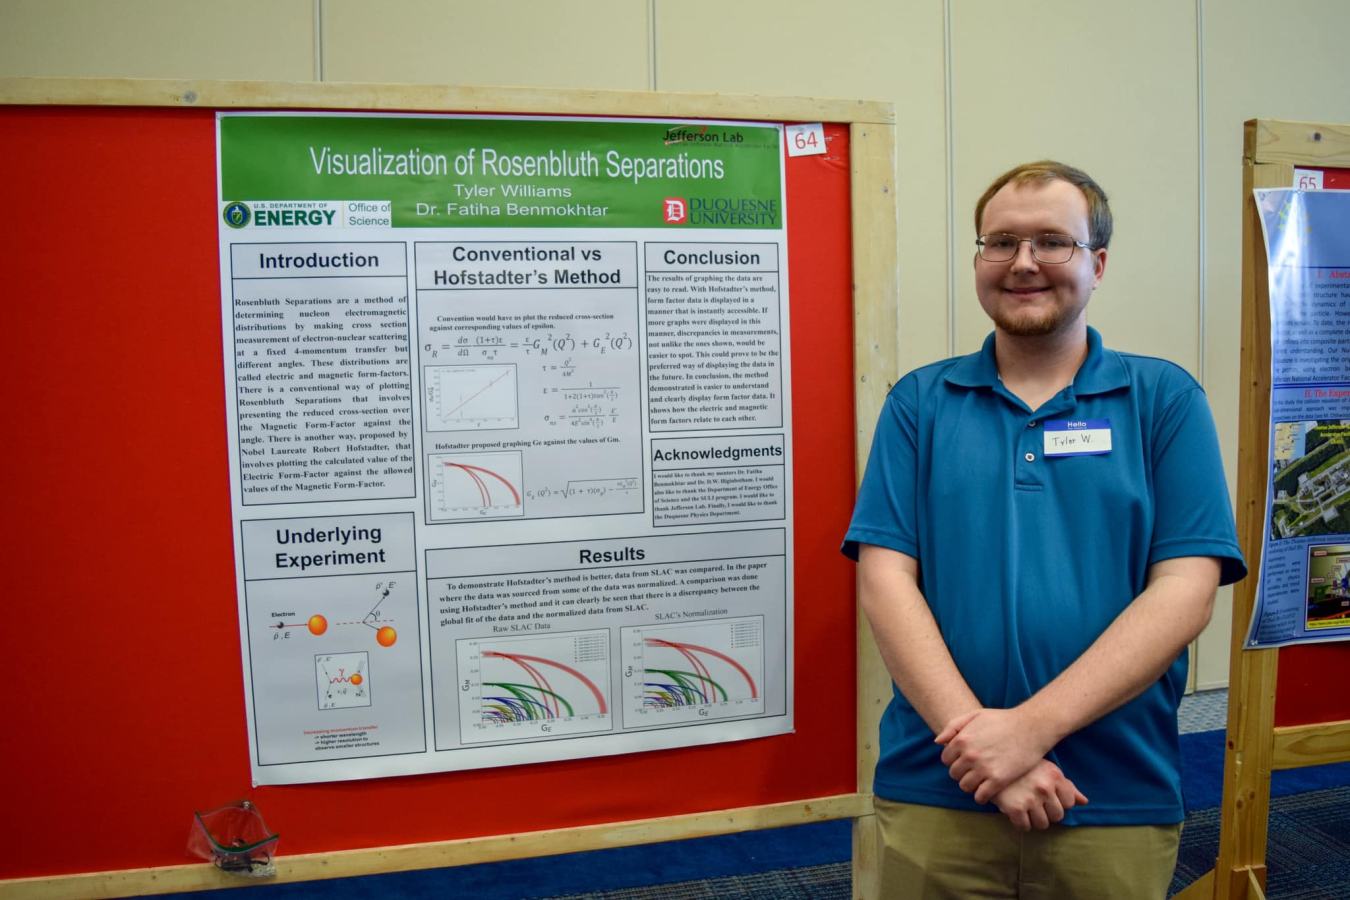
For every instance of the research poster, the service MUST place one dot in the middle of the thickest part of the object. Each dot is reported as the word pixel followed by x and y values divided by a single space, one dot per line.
pixel 510 437
pixel 1304 592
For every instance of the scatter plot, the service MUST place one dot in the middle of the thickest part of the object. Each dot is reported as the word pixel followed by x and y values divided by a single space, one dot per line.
pixel 470 398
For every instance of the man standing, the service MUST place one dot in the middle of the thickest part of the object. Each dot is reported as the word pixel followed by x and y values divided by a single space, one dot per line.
pixel 1040 532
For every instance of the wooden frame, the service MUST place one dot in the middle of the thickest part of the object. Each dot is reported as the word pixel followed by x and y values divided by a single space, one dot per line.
pixel 875 368
pixel 432 98
pixel 1255 747
pixel 439 854
pixel 875 285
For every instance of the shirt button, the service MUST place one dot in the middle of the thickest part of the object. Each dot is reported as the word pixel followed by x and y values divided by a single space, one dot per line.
pixel 1031 424
pixel 1031 457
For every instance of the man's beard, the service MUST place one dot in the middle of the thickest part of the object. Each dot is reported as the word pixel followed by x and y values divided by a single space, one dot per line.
pixel 1038 324
pixel 1021 322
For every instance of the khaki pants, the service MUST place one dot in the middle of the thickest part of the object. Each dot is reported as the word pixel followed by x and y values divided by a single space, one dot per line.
pixel 931 853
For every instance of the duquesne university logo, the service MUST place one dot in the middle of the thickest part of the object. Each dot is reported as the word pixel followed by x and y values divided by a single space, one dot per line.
pixel 676 211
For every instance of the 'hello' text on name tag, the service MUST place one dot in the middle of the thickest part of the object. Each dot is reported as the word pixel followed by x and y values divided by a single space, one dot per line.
pixel 1078 437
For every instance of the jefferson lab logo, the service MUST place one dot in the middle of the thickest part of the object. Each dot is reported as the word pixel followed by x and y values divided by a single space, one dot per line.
pixel 676 211
pixel 237 214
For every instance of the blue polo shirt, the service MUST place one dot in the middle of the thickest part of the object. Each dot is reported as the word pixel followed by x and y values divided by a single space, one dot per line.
pixel 1025 559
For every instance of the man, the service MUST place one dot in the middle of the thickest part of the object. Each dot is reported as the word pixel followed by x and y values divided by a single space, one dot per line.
pixel 1040 532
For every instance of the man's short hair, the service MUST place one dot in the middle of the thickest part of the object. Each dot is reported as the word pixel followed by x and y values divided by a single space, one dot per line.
pixel 1038 173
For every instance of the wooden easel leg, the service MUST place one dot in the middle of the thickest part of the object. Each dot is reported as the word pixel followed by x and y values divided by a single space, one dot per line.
pixel 1255 890
pixel 866 858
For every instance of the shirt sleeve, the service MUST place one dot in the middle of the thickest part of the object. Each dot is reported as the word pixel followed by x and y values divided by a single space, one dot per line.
pixel 886 511
pixel 1193 514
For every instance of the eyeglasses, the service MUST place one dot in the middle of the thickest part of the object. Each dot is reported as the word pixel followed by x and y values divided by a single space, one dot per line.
pixel 1052 249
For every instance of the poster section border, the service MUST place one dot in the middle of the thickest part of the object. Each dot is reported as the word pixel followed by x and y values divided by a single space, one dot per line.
pixel 616 727
pixel 252 696
pixel 658 443
pixel 232 355
pixel 422 365
pixel 777 272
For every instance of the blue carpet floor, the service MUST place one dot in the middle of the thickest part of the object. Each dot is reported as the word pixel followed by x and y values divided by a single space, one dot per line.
pixel 801 850
pixel 1308 854
pixel 1307 850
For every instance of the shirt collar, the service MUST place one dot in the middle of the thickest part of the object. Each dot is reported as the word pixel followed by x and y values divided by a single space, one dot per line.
pixel 1102 371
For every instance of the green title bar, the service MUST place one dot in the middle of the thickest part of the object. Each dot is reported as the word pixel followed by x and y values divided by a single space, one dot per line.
pixel 482 173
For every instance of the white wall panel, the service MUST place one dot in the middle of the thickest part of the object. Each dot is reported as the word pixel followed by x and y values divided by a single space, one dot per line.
pixel 1110 88
pixel 531 43
pixel 266 40
pixel 872 50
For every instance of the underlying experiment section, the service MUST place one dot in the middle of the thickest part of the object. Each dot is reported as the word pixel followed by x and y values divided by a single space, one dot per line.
pixel 333 637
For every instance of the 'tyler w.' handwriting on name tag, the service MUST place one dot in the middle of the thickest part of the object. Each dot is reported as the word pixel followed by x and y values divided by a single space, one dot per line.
pixel 1077 437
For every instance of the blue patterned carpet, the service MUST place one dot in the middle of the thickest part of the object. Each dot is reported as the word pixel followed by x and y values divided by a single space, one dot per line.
pixel 829 882
pixel 1308 852
pixel 1308 857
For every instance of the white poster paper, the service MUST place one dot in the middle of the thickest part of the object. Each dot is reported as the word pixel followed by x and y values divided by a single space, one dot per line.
pixel 510 437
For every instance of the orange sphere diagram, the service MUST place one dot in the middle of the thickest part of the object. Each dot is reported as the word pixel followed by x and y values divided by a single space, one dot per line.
pixel 357 679
pixel 317 624
pixel 386 636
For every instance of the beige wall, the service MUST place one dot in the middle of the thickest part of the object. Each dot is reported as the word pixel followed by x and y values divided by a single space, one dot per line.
pixel 265 40
pixel 1149 96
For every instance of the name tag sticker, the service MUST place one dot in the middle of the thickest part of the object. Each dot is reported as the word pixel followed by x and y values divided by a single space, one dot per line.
pixel 1078 437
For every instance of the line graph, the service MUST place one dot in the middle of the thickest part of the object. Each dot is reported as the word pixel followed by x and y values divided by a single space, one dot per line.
pixel 343 679
pixel 693 672
pixel 549 685
pixel 469 398
pixel 475 485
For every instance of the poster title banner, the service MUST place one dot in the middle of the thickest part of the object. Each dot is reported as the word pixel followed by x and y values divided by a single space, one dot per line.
pixel 283 172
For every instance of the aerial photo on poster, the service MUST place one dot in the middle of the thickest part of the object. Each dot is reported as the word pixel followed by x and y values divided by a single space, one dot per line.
pixel 1311 474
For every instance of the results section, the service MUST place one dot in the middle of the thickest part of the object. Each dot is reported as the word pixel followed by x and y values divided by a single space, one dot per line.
pixel 559 640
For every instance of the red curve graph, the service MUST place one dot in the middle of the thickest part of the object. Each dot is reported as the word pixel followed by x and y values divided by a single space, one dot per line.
pixel 524 662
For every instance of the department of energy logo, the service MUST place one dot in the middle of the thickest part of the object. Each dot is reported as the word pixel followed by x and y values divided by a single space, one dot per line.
pixel 236 214
pixel 676 211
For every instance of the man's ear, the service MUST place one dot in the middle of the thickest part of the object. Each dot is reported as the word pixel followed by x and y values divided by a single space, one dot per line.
pixel 1098 266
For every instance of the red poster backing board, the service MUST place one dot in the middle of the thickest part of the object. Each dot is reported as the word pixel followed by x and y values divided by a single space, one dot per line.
pixel 1335 179
pixel 131 714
